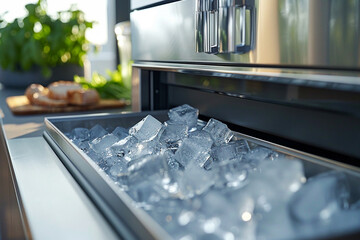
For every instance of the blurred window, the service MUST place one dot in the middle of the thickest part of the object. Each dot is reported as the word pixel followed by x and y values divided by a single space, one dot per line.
pixel 102 35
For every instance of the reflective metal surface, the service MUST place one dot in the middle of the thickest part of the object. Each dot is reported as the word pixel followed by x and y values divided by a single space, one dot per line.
pixel 13 226
pixel 301 33
pixel 136 4
pixel 54 204
pixel 311 77
pixel 206 34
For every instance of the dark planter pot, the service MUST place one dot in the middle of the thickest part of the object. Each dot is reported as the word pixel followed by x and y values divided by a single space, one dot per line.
pixel 10 79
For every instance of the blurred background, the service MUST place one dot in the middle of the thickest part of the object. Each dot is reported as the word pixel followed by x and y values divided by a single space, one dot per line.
pixel 106 14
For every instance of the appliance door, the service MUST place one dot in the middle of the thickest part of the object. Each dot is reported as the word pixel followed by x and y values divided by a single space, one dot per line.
pixel 301 33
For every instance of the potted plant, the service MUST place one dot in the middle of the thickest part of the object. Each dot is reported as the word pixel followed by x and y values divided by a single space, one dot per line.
pixel 42 49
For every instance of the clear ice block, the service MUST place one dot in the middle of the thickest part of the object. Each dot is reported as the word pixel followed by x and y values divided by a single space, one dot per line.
pixel 184 114
pixel 121 132
pixel 195 148
pixel 194 181
pixel 83 145
pixel 93 155
pixel 320 198
pixel 81 134
pixel 147 129
pixel 172 133
pixel 259 154
pixel 100 145
pixel 147 166
pixel 232 150
pixel 97 131
pixel 218 131
pixel 231 173
pixel 286 174
pixel 125 148
pixel 118 170
pixel 147 193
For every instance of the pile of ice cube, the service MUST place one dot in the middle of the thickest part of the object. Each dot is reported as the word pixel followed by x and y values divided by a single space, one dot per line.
pixel 199 181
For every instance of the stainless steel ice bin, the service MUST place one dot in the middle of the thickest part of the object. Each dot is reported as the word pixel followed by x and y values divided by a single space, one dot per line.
pixel 129 221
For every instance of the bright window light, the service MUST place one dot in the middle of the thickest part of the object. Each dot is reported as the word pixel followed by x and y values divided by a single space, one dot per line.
pixel 94 11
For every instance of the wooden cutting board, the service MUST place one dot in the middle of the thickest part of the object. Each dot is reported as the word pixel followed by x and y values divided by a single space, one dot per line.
pixel 20 105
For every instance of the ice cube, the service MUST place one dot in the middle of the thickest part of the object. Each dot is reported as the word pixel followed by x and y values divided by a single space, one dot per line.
pixel 238 219
pixel 129 148
pixel 195 148
pixel 320 198
pixel 145 167
pixel 259 153
pixel 194 181
pixel 184 114
pixel 286 174
pixel 81 134
pixel 147 129
pixel 97 131
pixel 218 131
pixel 231 173
pixel 100 145
pixel 150 147
pixel 172 133
pixel 147 192
pixel 232 150
pixel 199 126
pixel 265 198
pixel 104 161
pixel 93 155
pixel 208 164
pixel 118 170
pixel 125 148
pixel 121 132
pixel 173 165
pixel 83 145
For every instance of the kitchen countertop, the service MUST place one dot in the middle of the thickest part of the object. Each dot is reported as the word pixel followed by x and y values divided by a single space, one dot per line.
pixel 31 125
pixel 52 204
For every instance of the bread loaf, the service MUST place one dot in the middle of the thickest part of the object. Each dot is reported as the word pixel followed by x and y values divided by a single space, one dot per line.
pixel 83 97
pixel 60 94
pixel 35 88
pixel 58 90
pixel 43 100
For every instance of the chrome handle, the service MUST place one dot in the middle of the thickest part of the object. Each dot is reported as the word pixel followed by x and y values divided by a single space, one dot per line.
pixel 206 26
pixel 210 32
pixel 199 31
pixel 243 47
pixel 226 28
pixel 217 22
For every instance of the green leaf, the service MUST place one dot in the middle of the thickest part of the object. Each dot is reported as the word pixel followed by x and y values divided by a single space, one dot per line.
pixel 107 87
pixel 31 8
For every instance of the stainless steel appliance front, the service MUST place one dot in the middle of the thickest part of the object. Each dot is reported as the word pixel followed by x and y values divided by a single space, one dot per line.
pixel 304 33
